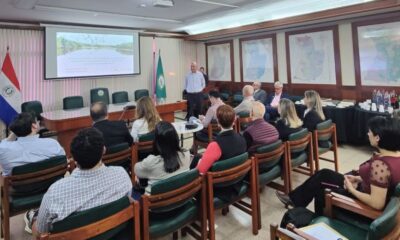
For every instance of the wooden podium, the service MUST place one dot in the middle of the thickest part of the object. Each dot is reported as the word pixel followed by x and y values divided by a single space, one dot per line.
pixel 67 123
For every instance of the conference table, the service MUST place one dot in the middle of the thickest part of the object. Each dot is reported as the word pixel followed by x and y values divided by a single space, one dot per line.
pixel 68 122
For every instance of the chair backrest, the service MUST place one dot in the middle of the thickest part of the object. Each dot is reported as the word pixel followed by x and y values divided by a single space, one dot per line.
pixel 396 192
pixel 99 95
pixel 268 156
pixel 120 97
pixel 299 141
pixel 242 121
pixel 229 171
pixel 212 129
pixel 102 222
pixel 141 93
pixel 324 130
pixel 117 154
pixel 72 102
pixel 387 221
pixel 173 192
pixel 33 106
pixel 237 98
pixel 36 177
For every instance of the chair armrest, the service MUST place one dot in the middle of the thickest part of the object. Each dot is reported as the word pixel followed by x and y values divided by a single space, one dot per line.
pixel 350 204
pixel 299 232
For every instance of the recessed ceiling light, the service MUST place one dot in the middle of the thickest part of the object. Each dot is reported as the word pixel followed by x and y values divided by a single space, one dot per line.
pixel 143 5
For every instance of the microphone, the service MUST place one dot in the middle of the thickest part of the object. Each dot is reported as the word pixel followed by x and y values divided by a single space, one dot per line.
pixel 126 108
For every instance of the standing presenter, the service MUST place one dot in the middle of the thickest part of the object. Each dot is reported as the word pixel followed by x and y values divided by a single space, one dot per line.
pixel 194 85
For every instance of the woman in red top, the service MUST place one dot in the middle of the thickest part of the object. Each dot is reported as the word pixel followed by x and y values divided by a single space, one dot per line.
pixel 376 178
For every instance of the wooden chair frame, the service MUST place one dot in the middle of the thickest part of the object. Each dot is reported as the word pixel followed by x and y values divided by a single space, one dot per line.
pixel 121 155
pixel 211 128
pixel 300 143
pixel 149 202
pixel 227 175
pixel 264 158
pixel 6 182
pixel 326 132
pixel 240 120
pixel 101 226
pixel 290 233
pixel 136 147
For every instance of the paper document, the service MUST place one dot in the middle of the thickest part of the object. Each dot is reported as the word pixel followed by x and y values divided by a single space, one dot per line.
pixel 323 231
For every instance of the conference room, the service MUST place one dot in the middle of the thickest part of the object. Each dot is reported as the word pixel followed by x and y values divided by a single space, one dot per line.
pixel 200 119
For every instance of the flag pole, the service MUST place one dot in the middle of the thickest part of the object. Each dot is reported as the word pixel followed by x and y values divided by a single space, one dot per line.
pixel 8 48
pixel 154 69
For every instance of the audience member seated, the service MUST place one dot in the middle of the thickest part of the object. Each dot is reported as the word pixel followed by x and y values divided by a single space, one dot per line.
pixel 313 114
pixel 245 105
pixel 396 114
pixel 272 102
pixel 211 114
pixel 259 94
pixel 24 146
pixel 90 185
pixel 375 180
pixel 167 160
pixel 114 132
pixel 227 144
pixel 147 118
pixel 288 122
pixel 259 132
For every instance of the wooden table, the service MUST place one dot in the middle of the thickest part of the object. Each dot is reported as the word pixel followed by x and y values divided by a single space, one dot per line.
pixel 68 122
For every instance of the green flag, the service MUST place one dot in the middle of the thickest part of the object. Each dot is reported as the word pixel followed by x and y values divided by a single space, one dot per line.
pixel 161 91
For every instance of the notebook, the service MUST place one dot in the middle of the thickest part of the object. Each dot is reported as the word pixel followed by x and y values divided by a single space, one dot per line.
pixel 323 231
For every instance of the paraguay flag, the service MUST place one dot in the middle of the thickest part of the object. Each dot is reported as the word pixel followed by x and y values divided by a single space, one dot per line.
pixel 10 92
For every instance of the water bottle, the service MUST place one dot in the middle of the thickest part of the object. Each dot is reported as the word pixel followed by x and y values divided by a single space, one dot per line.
pixel 374 96
pixel 386 100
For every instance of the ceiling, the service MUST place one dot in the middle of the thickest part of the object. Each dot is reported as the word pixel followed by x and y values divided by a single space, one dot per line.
pixel 192 16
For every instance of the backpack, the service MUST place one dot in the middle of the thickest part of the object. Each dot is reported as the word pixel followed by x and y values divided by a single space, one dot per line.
pixel 299 217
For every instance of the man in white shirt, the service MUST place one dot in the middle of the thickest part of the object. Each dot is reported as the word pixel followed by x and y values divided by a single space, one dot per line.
pixel 194 85
pixel 24 146
pixel 246 104
pixel 271 105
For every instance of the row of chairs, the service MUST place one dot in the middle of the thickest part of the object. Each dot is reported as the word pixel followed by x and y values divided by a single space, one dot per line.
pixel 302 147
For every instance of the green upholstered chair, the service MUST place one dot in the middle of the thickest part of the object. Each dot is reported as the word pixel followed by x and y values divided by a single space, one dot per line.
pixel 242 121
pixel 325 140
pixel 228 182
pixel 33 106
pixel 175 203
pixel 99 95
pixel 225 95
pixel 24 189
pixel 120 155
pixel 237 99
pixel 116 220
pixel 120 97
pixel 202 140
pixel 72 102
pixel 141 149
pixel 271 163
pixel 141 93
pixel 299 151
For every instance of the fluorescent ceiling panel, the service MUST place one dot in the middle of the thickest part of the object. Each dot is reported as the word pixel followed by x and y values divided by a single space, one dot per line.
pixel 255 13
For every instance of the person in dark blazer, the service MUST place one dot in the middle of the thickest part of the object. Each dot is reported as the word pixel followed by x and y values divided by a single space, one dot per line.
pixel 288 122
pixel 204 75
pixel 114 132
pixel 313 114
pixel 259 94
pixel 272 102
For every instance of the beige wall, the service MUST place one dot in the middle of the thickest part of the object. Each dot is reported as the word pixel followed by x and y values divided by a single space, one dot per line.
pixel 346 55
pixel 176 56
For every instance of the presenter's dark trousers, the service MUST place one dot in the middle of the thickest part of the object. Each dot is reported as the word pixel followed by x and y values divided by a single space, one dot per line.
pixel 313 188
pixel 194 104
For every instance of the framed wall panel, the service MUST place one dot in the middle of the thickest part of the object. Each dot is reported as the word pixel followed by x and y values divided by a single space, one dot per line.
pixel 220 65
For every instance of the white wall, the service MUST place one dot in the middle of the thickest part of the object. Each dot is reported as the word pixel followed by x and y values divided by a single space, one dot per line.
pixel 346 55
pixel 26 51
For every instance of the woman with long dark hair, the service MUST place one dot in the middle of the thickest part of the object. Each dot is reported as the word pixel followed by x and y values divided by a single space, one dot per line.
pixel 167 160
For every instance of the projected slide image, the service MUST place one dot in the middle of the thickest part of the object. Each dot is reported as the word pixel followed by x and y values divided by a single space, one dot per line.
pixel 88 54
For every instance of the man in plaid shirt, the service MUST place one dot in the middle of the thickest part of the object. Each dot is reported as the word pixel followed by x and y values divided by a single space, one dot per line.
pixel 90 185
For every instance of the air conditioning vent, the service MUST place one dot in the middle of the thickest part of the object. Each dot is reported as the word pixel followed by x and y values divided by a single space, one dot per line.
pixel 163 3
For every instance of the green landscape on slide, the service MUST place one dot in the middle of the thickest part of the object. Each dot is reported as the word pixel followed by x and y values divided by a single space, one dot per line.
pixel 65 46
